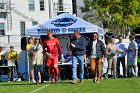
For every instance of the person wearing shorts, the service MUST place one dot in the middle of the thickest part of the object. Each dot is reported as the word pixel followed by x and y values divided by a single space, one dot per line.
pixel 51 47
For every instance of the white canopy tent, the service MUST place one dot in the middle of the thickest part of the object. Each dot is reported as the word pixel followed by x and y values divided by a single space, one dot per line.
pixel 63 24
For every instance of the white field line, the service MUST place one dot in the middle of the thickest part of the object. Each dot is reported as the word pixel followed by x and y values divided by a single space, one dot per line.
pixel 38 89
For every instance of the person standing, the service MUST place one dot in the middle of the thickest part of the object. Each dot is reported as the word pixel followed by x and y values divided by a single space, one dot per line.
pixel 37 59
pixel 96 51
pixel 121 56
pixel 30 57
pixel 51 47
pixel 132 56
pixel 12 55
pixel 138 64
pixel 78 47
pixel 1 52
pixel 111 51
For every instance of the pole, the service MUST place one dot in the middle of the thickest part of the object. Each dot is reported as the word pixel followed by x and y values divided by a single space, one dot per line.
pixel 28 67
pixel 28 63
pixel 50 8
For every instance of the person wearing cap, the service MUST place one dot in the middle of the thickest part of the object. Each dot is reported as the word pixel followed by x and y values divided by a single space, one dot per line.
pixel 51 48
pixel 78 47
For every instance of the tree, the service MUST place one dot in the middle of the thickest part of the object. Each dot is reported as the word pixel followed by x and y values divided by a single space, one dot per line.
pixel 119 16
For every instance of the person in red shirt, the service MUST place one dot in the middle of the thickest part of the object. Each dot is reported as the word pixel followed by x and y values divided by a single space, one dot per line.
pixel 51 47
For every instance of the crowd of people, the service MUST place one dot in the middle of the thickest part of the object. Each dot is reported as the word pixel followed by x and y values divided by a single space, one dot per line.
pixel 96 52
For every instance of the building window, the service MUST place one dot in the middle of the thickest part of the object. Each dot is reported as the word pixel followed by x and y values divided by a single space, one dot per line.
pixel 31 5
pixel 1 5
pixel 22 28
pixel 2 28
pixel 34 23
pixel 42 5
pixel 60 5
pixel 3 15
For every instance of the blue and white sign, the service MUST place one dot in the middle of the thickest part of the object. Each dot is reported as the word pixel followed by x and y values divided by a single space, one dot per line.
pixel 64 24
pixel 61 30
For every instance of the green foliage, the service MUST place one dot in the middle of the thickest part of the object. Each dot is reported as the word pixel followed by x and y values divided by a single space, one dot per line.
pixel 121 15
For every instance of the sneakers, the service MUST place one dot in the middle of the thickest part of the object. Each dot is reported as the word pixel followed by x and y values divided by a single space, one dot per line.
pixel 81 81
pixel 33 81
pixel 114 77
pixel 73 82
pixel 39 81
pixel 97 81
pixel 94 80
pixel 53 81
pixel 106 76
pixel 56 80
pixel 102 77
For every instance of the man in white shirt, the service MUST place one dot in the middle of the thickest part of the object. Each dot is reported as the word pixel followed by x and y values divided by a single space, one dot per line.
pixel 121 56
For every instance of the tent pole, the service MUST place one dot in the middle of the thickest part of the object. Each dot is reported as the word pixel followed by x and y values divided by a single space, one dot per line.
pixel 28 64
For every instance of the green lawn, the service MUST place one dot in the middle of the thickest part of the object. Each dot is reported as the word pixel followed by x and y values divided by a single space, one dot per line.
pixel 127 85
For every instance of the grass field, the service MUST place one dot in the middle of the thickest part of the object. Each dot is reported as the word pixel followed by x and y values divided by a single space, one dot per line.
pixel 127 85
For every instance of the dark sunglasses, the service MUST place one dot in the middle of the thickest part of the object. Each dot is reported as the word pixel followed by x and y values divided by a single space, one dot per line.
pixel 37 39
pixel 94 35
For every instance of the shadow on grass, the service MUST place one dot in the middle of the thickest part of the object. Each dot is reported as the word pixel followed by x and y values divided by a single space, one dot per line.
pixel 65 82
pixel 78 82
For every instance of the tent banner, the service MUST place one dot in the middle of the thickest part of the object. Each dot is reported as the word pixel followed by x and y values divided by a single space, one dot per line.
pixel 60 30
